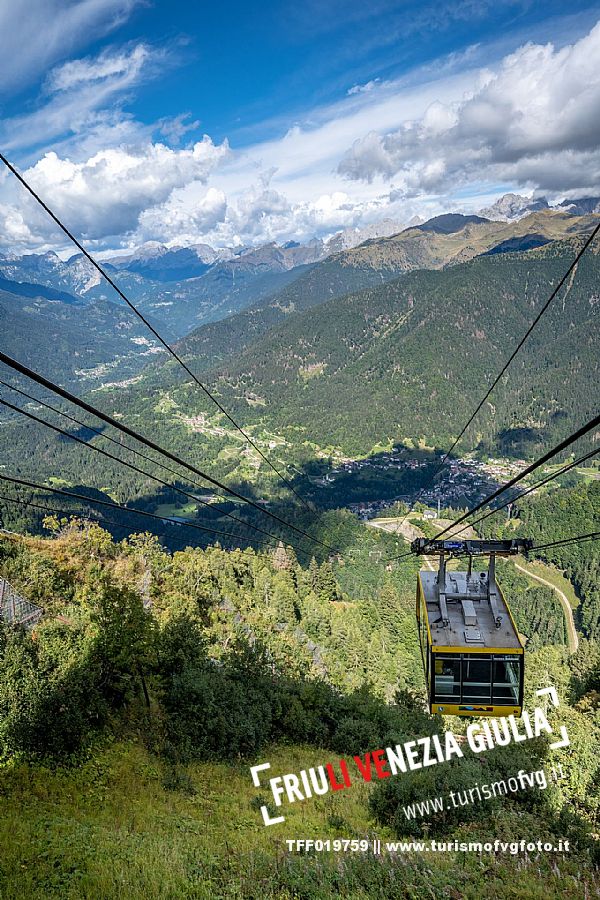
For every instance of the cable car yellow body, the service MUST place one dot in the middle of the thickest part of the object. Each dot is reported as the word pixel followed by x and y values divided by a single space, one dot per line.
pixel 473 656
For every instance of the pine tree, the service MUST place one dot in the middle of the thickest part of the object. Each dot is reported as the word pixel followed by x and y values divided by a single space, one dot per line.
pixel 328 588
pixel 314 575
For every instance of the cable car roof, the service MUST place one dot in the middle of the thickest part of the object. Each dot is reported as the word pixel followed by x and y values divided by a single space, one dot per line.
pixel 471 623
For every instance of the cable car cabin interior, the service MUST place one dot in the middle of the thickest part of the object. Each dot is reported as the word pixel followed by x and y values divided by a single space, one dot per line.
pixel 472 653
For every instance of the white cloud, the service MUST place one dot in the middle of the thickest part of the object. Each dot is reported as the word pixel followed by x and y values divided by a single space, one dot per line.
pixel 176 127
pixel 104 195
pixel 34 37
pixel 441 139
pixel 534 122
pixel 15 229
pixel 188 213
pixel 363 88
pixel 258 215
pixel 107 64
pixel 82 97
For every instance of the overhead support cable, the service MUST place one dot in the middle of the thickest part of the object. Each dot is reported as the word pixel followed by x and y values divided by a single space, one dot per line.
pixel 99 433
pixel 530 490
pixel 558 448
pixel 150 327
pixel 63 512
pixel 123 462
pixel 126 509
pixel 587 243
pixel 582 538
pixel 152 445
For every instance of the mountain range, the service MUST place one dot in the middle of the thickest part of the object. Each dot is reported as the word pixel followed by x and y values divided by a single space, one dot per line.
pixel 407 358
pixel 511 207
pixel 376 343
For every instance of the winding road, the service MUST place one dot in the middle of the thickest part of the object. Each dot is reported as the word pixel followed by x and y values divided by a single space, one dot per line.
pixel 410 531
pixel 572 636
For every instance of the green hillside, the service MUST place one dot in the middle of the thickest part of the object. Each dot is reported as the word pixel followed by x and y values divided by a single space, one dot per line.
pixel 221 341
pixel 403 360
pixel 451 239
pixel 555 514
pixel 246 657
pixel 185 305
pixel 408 359
pixel 79 345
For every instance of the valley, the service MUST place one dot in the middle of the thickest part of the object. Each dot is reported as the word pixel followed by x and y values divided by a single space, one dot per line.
pixel 299 450
pixel 179 656
pixel 334 375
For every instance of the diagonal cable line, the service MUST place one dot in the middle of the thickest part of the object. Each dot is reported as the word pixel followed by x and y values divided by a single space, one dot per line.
pixel 575 436
pixel 529 490
pixel 150 327
pixel 508 362
pixel 122 462
pixel 582 538
pixel 125 429
pixel 117 459
pixel 63 512
pixel 97 431
pixel 138 512
pixel 558 448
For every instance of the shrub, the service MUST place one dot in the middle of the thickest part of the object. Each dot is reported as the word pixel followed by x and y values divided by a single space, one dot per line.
pixel 50 697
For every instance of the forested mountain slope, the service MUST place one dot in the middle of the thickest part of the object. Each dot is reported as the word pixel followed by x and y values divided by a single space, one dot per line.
pixel 237 657
pixel 554 514
pixel 411 357
pixel 441 241
pixel 454 238
pixel 406 359
pixel 222 341
pixel 77 344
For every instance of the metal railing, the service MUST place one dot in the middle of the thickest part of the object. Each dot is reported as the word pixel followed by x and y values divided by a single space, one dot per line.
pixel 15 609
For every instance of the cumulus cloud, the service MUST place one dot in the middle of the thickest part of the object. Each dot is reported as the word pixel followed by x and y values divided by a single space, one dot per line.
pixel 16 230
pixel 257 215
pixel 531 122
pixel 105 194
pixel 534 122
pixel 189 213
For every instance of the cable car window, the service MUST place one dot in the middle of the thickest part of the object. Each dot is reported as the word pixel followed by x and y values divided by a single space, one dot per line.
pixel 447 678
pixel 477 679
pixel 506 679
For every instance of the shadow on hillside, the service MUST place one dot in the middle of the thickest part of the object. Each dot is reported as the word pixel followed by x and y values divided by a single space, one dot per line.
pixel 366 487
pixel 235 709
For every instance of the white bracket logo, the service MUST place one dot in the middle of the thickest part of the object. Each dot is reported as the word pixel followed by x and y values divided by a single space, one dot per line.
pixel 553 695
pixel 254 770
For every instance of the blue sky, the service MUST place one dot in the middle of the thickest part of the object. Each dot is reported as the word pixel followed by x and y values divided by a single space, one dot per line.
pixel 238 123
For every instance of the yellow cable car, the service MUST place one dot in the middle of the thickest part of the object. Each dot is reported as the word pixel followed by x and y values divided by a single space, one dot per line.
pixel 473 657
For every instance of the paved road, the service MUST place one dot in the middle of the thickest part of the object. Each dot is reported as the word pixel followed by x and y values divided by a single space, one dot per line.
pixel 572 636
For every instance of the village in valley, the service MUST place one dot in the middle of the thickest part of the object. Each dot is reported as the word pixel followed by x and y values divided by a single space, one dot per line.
pixel 460 481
